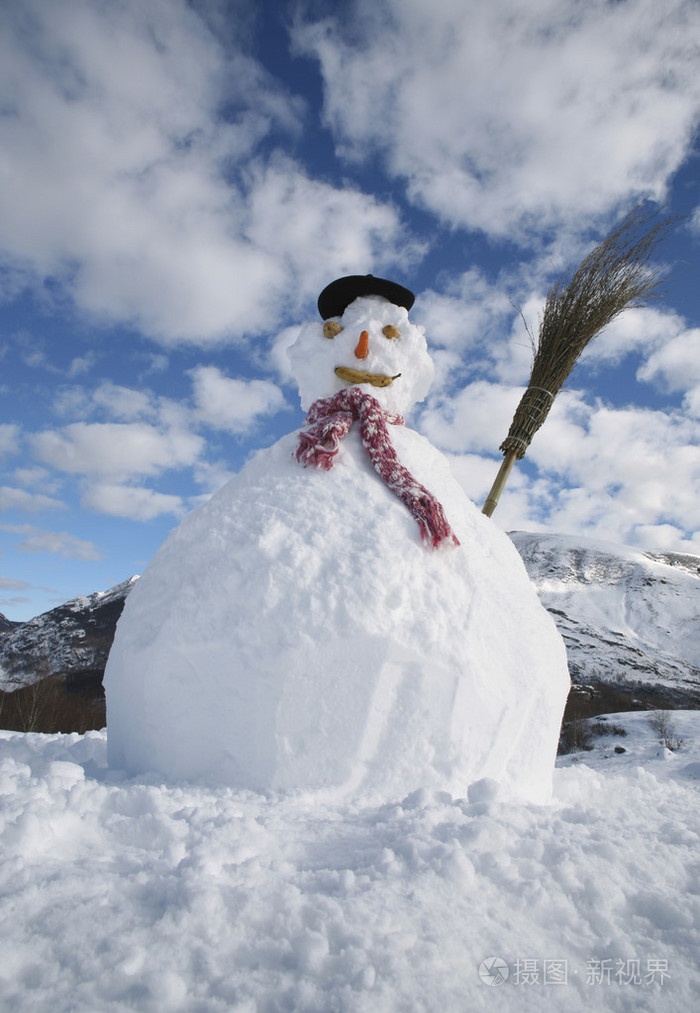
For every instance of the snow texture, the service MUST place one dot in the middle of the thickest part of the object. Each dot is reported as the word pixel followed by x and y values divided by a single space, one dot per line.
pixel 121 894
pixel 294 633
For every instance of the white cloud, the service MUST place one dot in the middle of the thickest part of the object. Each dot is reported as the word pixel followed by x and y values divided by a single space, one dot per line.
pixel 124 403
pixel 228 403
pixel 117 450
pixel 211 476
pixel 481 330
pixel 152 435
pixel 121 179
pixel 464 326
pixel 72 402
pixel 9 439
pixel 135 503
pixel 20 499
pixel 505 117
pixel 320 232
pixel 82 364
pixel 635 330
pixel 60 543
pixel 475 419
pixel 36 478
pixel 115 402
pixel 676 364
pixel 468 314
pixel 670 348
pixel 13 585
pixel 621 474
pixel 691 403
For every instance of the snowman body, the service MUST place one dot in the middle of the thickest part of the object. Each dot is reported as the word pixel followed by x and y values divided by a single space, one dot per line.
pixel 295 634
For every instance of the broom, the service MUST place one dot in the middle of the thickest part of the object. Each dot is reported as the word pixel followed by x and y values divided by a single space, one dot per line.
pixel 614 276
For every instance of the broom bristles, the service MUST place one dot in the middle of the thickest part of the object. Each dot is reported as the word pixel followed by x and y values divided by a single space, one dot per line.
pixel 615 276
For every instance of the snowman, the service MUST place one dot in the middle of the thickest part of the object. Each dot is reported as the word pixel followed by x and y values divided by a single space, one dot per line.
pixel 340 618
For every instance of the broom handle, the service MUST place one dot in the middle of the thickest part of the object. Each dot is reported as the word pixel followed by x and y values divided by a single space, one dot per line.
pixel 501 479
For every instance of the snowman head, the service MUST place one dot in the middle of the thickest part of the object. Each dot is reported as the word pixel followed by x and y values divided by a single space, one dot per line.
pixel 366 340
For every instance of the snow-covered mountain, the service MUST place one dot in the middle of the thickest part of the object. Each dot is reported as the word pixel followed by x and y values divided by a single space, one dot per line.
pixel 5 623
pixel 71 641
pixel 630 619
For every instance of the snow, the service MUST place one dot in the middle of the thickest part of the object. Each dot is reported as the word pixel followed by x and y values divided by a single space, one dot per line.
pixel 294 633
pixel 603 586
pixel 123 893
pixel 626 614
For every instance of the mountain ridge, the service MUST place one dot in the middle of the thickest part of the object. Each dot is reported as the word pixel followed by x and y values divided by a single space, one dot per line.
pixel 629 617
pixel 71 640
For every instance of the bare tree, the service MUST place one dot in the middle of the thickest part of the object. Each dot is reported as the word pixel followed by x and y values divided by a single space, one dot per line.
pixel 664 725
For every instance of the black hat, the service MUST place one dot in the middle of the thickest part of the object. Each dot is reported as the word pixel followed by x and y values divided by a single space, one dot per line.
pixel 337 296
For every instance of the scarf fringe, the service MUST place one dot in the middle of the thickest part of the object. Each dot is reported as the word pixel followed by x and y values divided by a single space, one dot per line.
pixel 330 419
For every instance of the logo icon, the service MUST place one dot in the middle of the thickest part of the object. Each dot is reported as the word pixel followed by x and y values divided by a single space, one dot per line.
pixel 494 971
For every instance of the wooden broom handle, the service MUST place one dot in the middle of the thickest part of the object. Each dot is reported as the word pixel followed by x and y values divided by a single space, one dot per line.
pixel 501 479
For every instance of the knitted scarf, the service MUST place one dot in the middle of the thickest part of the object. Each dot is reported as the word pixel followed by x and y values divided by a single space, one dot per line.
pixel 330 418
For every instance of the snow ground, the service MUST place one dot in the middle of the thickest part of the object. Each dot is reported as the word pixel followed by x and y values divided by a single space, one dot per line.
pixel 127 894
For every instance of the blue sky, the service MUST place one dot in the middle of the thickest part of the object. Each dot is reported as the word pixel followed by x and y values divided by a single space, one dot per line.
pixel 178 181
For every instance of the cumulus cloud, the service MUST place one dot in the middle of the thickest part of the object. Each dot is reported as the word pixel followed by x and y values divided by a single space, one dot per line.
pixel 110 401
pixel 472 419
pixel 60 543
pixel 119 450
pixel 232 404
pixel 627 474
pixel 9 439
pixel 143 435
pixel 136 173
pixel 510 119
pixel 124 403
pixel 20 499
pixel 36 478
pixel 210 476
pixel 622 474
pixel 135 503
pixel 676 363
pixel 320 231
pixel 149 168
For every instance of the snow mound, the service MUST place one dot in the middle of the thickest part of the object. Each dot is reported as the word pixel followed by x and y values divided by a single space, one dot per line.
pixel 127 894
pixel 294 634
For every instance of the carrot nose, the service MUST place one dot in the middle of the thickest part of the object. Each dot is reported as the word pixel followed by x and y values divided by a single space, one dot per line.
pixel 362 350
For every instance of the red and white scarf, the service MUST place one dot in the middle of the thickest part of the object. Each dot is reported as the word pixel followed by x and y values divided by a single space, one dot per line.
pixel 330 418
